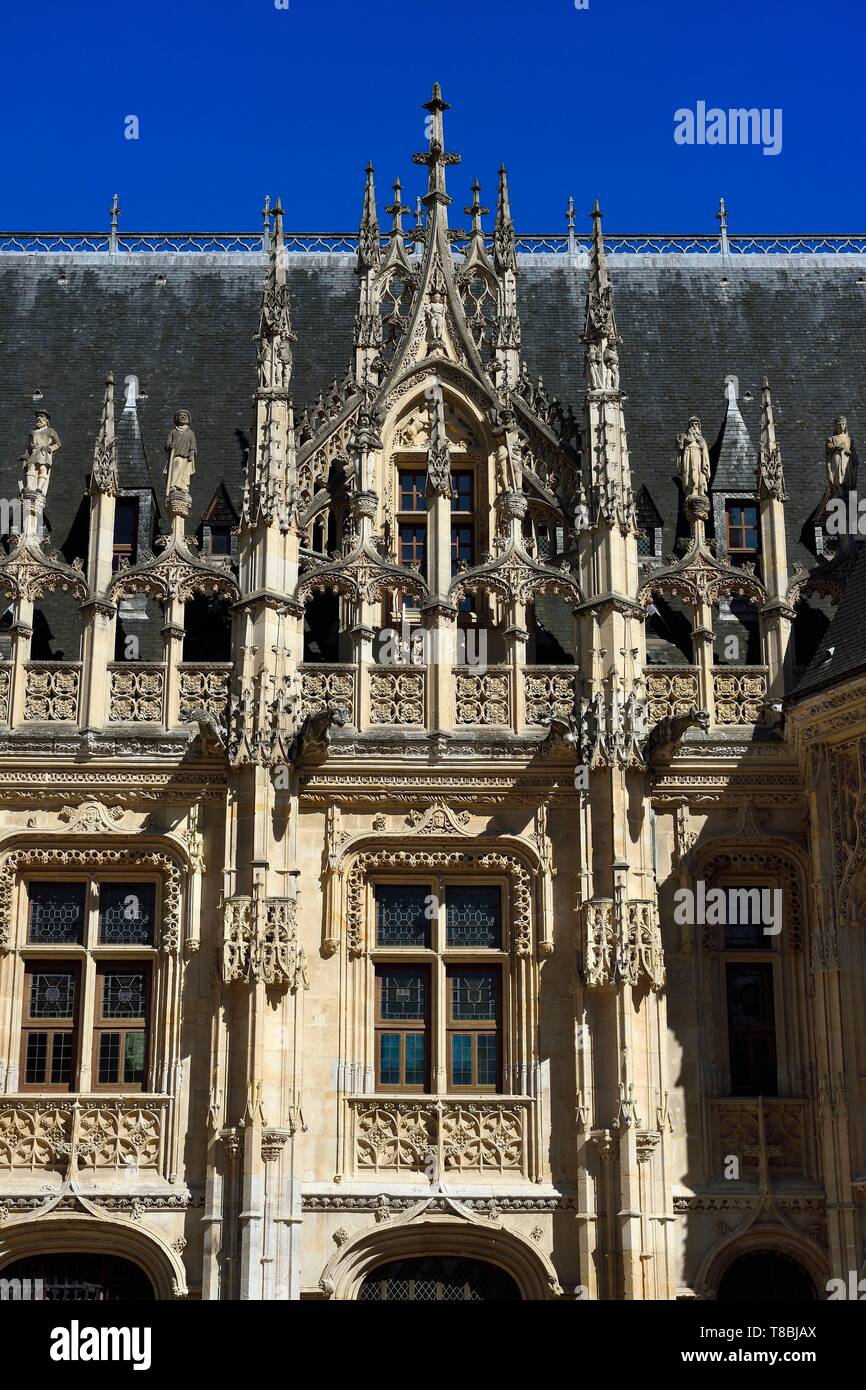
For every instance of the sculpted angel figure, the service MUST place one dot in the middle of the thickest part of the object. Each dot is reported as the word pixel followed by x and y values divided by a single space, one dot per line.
pixel 694 460
pixel 839 465
pixel 42 444
pixel 180 452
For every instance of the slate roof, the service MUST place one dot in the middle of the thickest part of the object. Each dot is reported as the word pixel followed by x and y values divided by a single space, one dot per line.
pixel 841 652
pixel 184 325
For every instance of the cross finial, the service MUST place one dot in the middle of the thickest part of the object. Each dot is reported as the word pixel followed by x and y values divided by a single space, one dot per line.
pixel 475 210
pixel 397 209
pixel 266 224
pixel 435 156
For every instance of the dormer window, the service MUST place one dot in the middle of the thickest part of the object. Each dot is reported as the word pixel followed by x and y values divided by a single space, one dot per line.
pixel 125 533
pixel 742 534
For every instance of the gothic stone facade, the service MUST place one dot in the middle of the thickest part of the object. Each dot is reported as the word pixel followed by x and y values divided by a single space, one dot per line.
pixel 343 824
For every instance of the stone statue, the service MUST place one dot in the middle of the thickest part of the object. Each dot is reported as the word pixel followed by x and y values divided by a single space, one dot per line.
pixel 840 470
pixel 694 460
pixel 596 370
pixel 180 451
pixel 611 363
pixel 42 444
pixel 435 312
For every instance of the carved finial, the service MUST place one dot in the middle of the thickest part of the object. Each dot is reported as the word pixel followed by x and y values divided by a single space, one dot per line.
pixel 503 233
pixel 771 480
pixel 600 322
pixel 418 228
pixel 569 221
pixel 476 211
pixel 275 335
pixel 397 211
pixel 266 225
pixel 368 235
pixel 103 477
pixel 435 156
pixel 722 218
pixel 114 212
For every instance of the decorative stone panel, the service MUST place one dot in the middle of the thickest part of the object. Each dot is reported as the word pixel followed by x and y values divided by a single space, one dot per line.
pixel 483 699
pixel 548 692
pixel 621 943
pixel 260 942
pixel 5 676
pixel 397 697
pixel 135 693
pixel 767 1136
pixel 328 687
pixel 106 1132
pixel 465 1136
pixel 739 694
pixel 205 685
pixel 51 691
pixel 671 690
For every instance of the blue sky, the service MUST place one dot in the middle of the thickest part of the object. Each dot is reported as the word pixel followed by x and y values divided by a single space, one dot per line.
pixel 238 100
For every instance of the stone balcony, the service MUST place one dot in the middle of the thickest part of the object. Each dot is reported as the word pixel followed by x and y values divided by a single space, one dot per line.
pixel 39 1132
pixel 482 1138
pixel 737 695
pixel 771 1137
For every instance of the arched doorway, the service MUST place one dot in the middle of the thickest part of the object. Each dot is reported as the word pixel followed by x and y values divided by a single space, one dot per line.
pixel 766 1276
pixel 79 1278
pixel 438 1279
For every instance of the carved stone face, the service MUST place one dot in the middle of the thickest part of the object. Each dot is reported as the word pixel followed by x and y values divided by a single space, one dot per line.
pixel 42 420
pixel 695 424
pixel 841 425
pixel 183 417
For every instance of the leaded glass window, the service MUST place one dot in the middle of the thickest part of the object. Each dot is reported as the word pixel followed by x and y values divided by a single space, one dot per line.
pixel 473 915
pixel 473 1016
pixel 126 913
pixel 57 912
pixel 50 1016
pixel 401 1027
pixel 403 913
pixel 120 1044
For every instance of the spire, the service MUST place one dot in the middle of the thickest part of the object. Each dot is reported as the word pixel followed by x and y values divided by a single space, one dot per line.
pixel 476 212
pixel 368 235
pixel 771 478
pixel 103 477
pixel 435 156
pixel 503 233
pixel 599 300
pixel 114 212
pixel 275 335
pixel 396 211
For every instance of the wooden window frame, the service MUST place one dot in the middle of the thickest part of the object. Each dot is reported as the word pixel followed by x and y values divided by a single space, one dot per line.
pixel 56 964
pixel 474 1028
pixel 742 528
pixel 103 1026
pixel 403 1027
pixel 441 960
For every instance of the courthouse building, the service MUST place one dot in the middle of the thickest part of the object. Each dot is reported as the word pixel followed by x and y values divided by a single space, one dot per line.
pixel 432 760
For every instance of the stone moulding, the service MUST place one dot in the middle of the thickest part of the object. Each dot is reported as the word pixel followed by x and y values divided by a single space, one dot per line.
pixel 14 861
pixel 621 943
pixel 123 1133
pixel 492 861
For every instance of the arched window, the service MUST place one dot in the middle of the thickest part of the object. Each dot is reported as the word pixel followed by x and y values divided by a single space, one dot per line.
pixel 765 1276
pixel 441 1279
pixel 75 1278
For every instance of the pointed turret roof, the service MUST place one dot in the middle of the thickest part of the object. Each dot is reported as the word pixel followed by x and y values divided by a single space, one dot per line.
pixel 736 455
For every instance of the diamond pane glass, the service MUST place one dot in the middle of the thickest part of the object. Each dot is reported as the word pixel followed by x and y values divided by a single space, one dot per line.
pixel 402 914
pixel 473 915
pixel 403 993
pixel 126 913
pixel 123 994
pixel 438 1279
pixel 473 995
pixel 56 912
pixel 52 995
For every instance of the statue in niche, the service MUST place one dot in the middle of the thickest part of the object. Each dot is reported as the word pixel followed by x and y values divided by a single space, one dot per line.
pixel 596 369
pixel 436 313
pixel 180 452
pixel 840 467
pixel 694 460
pixel 611 365
pixel 42 444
